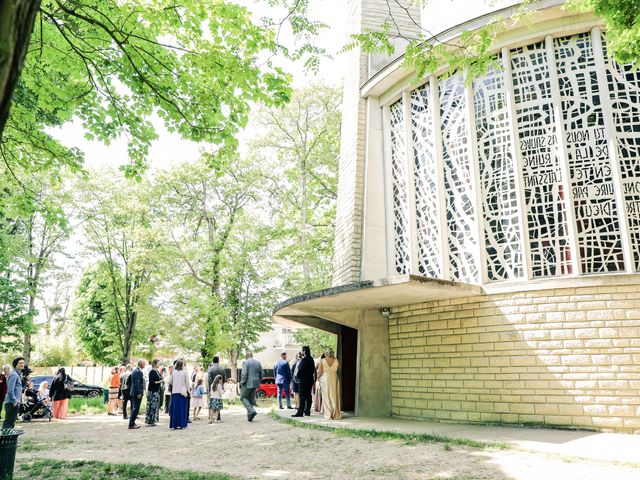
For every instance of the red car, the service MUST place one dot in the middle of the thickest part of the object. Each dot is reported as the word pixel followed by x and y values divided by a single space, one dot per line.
pixel 268 388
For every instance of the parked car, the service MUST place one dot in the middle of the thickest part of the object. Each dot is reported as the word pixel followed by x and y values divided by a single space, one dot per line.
pixel 268 388
pixel 79 389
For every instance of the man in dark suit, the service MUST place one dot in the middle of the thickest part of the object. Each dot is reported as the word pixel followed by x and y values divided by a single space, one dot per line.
pixel 305 373
pixel 135 393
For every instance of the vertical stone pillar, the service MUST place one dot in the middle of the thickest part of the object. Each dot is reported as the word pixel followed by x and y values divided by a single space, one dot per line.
pixel 364 15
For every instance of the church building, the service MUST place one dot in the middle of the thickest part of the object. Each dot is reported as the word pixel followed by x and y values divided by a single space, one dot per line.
pixel 487 263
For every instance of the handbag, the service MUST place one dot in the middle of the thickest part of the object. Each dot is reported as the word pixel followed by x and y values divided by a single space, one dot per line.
pixel 68 386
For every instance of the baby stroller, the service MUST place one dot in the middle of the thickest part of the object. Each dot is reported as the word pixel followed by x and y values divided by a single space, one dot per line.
pixel 33 407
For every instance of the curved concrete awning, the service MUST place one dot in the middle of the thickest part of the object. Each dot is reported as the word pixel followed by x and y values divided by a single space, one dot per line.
pixel 374 294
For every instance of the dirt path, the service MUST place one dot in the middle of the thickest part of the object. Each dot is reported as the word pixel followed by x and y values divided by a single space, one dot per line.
pixel 266 448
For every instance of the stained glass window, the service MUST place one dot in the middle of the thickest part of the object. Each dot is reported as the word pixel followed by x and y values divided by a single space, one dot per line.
pixel 426 184
pixel 399 185
pixel 597 226
pixel 502 230
pixel 542 178
pixel 624 95
pixel 458 180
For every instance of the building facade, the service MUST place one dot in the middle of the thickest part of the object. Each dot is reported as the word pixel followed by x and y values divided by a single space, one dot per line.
pixel 498 232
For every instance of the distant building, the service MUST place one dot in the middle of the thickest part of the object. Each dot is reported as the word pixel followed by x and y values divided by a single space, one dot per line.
pixel 279 339
pixel 488 231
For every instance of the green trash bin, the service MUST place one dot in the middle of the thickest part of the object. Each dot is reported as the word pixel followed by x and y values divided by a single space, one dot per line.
pixel 105 395
pixel 8 447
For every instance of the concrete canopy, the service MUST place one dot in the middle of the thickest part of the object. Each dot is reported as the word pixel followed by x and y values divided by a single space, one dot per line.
pixel 353 313
pixel 372 294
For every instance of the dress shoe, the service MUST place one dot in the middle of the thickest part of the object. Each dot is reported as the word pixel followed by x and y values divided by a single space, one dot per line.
pixel 289 407
pixel 251 416
pixel 134 427
pixel 297 415
pixel 280 407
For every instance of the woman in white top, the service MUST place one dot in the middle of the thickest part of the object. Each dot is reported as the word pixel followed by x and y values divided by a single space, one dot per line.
pixel 180 390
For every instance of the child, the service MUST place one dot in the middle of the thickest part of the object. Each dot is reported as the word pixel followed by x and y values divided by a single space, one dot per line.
pixel 215 400
pixel 43 392
pixel 197 400
pixel 230 391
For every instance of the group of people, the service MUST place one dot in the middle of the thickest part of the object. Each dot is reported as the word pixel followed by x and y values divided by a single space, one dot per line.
pixel 311 382
pixel 172 387
pixel 16 387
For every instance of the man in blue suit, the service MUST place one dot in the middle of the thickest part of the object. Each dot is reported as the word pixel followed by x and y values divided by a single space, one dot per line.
pixel 135 392
pixel 282 371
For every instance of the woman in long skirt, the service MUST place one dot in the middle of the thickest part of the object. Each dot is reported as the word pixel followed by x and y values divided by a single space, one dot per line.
pixel 114 390
pixel 180 389
pixel 153 394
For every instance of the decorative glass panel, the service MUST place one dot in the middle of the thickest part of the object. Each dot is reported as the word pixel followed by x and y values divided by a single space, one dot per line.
pixel 502 231
pixel 458 179
pixel 624 93
pixel 542 178
pixel 597 226
pixel 426 180
pixel 399 181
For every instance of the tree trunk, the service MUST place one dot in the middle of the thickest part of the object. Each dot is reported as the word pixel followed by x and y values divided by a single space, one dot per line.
pixel 16 24
pixel 34 275
pixel 303 226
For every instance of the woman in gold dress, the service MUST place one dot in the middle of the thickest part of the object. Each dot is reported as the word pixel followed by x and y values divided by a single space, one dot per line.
pixel 330 386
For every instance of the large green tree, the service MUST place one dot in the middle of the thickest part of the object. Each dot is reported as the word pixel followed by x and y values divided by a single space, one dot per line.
pixel 117 216
pixel 93 315
pixel 299 152
pixel 216 235
pixel 198 66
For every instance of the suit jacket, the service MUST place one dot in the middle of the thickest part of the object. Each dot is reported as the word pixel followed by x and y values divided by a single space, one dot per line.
pixel 137 383
pixel 124 383
pixel 306 372
pixel 251 373
pixel 213 372
pixel 283 372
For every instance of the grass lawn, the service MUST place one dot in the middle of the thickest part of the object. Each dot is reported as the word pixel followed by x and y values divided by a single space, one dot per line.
pixel 86 470
pixel 87 405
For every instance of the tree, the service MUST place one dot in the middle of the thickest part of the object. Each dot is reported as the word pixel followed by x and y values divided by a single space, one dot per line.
pixel 210 227
pixel 318 340
pixel 35 210
pixel 117 218
pixel 115 64
pixel 13 292
pixel 94 315
pixel 300 150
pixel 248 294
pixel 45 229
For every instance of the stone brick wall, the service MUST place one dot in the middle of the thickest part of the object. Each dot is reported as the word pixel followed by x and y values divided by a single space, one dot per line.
pixel 559 357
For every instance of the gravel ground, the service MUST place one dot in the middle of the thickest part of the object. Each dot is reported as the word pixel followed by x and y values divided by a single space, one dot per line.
pixel 266 448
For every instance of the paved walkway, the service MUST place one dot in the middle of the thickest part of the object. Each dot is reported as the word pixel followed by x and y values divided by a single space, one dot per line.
pixel 617 447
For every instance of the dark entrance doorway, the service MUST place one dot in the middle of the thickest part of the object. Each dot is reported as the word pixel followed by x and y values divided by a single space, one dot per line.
pixel 348 354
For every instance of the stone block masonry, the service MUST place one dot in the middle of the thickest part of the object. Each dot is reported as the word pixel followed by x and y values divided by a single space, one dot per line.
pixel 556 357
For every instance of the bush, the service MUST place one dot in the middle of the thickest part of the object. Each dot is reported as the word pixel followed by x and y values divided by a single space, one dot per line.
pixel 53 355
